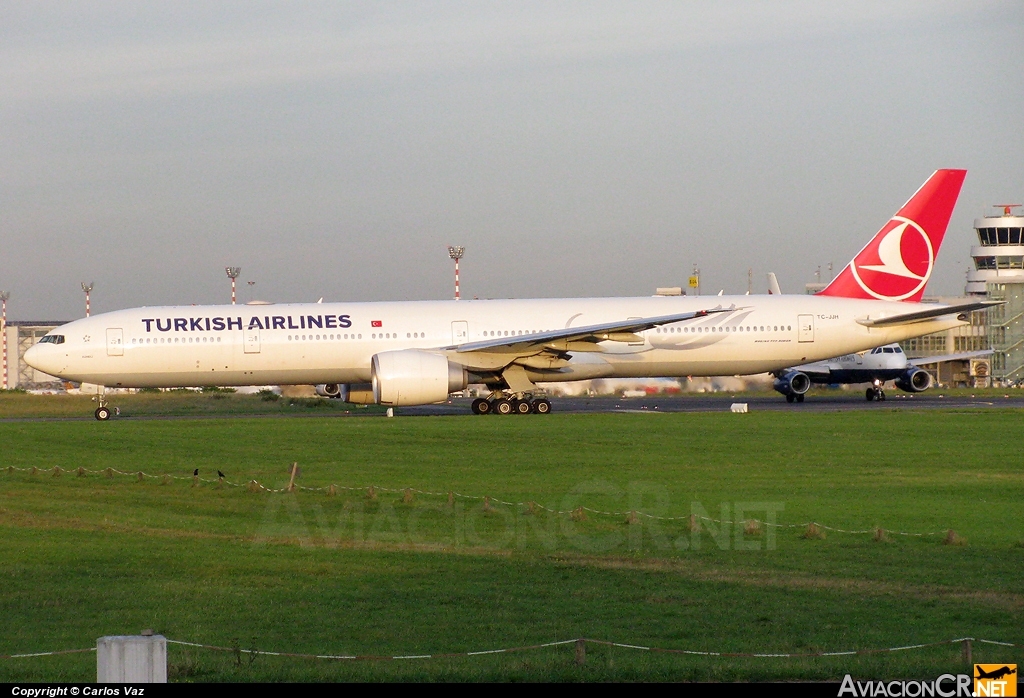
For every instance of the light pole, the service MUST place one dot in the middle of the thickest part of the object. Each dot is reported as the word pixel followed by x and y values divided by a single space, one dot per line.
pixel 4 295
pixel 252 286
pixel 456 254
pixel 232 273
pixel 87 287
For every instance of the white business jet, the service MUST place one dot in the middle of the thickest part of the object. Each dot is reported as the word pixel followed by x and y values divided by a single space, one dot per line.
pixel 415 353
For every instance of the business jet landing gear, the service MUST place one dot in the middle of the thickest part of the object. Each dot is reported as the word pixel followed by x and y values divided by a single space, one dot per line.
pixel 520 403
pixel 875 392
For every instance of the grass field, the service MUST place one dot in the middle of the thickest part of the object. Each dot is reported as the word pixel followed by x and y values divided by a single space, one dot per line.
pixel 412 573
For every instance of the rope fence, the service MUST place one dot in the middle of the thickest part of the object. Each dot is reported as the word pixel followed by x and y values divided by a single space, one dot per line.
pixel 812 528
pixel 580 644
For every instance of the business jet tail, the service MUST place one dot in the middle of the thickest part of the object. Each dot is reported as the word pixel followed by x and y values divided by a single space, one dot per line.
pixel 897 263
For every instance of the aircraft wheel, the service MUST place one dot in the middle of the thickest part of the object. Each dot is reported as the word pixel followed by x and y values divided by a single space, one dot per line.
pixel 102 413
pixel 881 394
pixel 541 406
pixel 522 406
pixel 481 406
pixel 799 398
pixel 869 394
pixel 790 398
pixel 503 406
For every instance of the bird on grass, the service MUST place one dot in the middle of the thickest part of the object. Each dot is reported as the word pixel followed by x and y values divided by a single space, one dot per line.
pixel 220 474
pixel 195 473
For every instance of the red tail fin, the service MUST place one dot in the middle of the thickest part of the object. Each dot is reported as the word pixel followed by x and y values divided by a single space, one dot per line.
pixel 896 264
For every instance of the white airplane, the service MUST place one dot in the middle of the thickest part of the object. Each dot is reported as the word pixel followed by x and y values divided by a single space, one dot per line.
pixel 876 366
pixel 415 353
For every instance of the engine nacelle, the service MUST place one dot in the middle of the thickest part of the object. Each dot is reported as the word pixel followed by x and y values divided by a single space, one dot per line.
pixel 914 380
pixel 413 377
pixel 792 383
pixel 328 390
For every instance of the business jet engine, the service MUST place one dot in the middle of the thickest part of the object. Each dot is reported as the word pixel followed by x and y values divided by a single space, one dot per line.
pixel 792 383
pixel 413 377
pixel 328 390
pixel 914 380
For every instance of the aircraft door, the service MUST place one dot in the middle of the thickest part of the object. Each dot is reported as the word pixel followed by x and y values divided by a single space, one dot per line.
pixel 252 341
pixel 115 341
pixel 805 328
pixel 460 332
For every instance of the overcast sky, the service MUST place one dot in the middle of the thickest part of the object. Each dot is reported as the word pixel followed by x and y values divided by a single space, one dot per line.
pixel 576 149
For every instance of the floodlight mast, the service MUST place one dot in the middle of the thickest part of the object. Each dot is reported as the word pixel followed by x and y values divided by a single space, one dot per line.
pixel 4 295
pixel 232 273
pixel 456 252
pixel 87 287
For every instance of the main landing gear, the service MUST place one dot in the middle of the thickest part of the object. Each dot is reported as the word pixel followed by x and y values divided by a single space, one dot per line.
pixel 875 392
pixel 793 397
pixel 520 403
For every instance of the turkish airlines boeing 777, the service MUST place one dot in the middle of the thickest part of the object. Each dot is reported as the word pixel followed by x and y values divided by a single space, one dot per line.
pixel 414 353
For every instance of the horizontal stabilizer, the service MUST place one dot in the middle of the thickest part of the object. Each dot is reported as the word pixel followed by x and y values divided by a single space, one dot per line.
pixel 920 315
pixel 962 356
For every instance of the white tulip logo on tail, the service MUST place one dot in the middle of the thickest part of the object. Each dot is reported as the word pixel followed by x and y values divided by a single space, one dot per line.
pixel 898 266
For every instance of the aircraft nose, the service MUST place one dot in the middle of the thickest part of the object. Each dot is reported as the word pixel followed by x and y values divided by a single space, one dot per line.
pixel 45 359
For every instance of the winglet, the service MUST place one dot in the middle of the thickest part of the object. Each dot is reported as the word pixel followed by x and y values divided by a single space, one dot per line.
pixel 897 263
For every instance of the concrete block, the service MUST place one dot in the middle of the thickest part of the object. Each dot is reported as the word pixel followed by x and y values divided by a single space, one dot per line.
pixel 131 659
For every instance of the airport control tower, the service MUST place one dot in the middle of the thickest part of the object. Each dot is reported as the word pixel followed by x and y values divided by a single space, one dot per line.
pixel 999 274
pixel 1000 256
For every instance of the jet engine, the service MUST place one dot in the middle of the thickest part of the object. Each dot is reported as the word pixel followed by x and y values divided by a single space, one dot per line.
pixel 914 380
pixel 328 390
pixel 413 377
pixel 792 383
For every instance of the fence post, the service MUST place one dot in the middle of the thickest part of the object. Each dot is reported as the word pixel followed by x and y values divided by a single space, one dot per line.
pixel 967 651
pixel 291 481
pixel 131 658
pixel 581 652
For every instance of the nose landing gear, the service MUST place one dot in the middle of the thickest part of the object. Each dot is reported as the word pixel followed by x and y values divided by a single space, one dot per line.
pixel 104 413
pixel 875 392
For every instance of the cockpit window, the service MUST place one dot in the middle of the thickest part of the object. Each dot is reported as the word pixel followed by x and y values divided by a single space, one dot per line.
pixel 876 350
pixel 52 339
pixel 889 350
pixel 898 350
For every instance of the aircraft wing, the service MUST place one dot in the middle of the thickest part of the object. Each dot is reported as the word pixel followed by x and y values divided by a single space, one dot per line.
pixel 562 340
pixel 963 356
pixel 918 316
